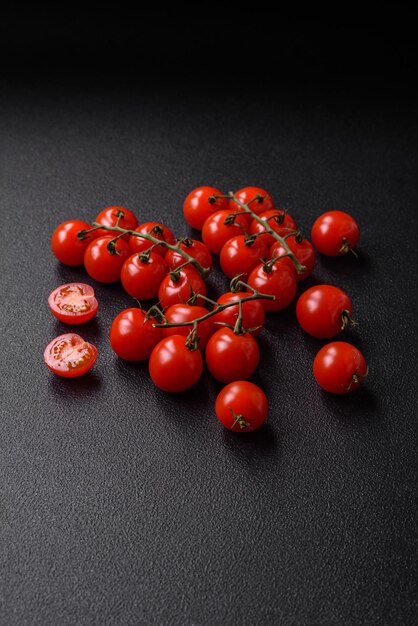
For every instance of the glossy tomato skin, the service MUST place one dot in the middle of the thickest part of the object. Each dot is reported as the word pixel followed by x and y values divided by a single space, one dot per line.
pixel 133 336
pixel 252 312
pixel 158 230
pixel 173 367
pixel 334 233
pixel 215 233
pixel 279 282
pixel 196 249
pixel 319 310
pixel 246 194
pixel 339 367
pixel 179 291
pixel 286 223
pixel 65 245
pixel 303 251
pixel 69 355
pixel 197 207
pixel 231 357
pixel 241 406
pixel 100 264
pixel 240 255
pixel 141 278
pixel 187 313
pixel 109 217
pixel 73 303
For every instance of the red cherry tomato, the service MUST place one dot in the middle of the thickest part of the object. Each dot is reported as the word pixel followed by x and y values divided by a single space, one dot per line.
pixel 240 255
pixel 158 230
pixel 173 366
pixel 216 232
pixel 230 356
pixel 264 201
pixel 323 311
pixel 109 217
pixel 141 276
pixel 73 303
pixel 187 313
pixel 65 244
pixel 335 233
pixel 339 367
pixel 303 251
pixel 279 281
pixel 279 221
pixel 252 312
pixel 101 264
pixel 69 355
pixel 180 289
pixel 195 249
pixel 200 203
pixel 133 336
pixel 241 406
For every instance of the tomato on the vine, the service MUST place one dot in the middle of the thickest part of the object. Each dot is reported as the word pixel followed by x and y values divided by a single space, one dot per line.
pixel 260 200
pixel 179 286
pixel 173 365
pixel 277 280
pixel 104 262
pixel 133 335
pixel 220 227
pixel 241 406
pixel 69 355
pixel 230 356
pixel 179 313
pixel 339 367
pixel 110 216
pixel 158 230
pixel 241 254
pixel 303 251
pixel 73 303
pixel 142 274
pixel 252 312
pixel 66 246
pixel 200 203
pixel 323 311
pixel 195 249
pixel 279 221
pixel 335 233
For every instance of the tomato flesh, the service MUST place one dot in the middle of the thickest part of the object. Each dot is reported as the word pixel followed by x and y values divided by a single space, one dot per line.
pixel 73 303
pixel 69 355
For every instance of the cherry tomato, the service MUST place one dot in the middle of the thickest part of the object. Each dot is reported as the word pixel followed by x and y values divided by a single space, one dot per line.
pixel 73 303
pixel 335 233
pixel 303 251
pixel 278 281
pixel 323 311
pixel 279 221
pixel 252 312
pixel 173 366
pixel 141 275
pixel 187 313
pixel 240 255
pixel 200 203
pixel 339 367
pixel 230 356
pixel 101 264
pixel 109 217
pixel 264 201
pixel 65 244
pixel 156 229
pixel 216 232
pixel 133 336
pixel 69 355
pixel 179 290
pixel 195 249
pixel 241 406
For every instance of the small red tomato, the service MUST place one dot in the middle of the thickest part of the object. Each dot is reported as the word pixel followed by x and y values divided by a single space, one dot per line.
pixel 109 217
pixel 179 286
pixel 240 255
pixel 73 303
pixel 220 227
pixel 180 313
pixel 142 274
pixel 101 263
pixel 65 244
pixel 200 203
pixel 279 221
pixel 303 251
pixel 230 356
pixel 69 355
pixel 323 311
pixel 335 233
pixel 339 367
pixel 195 249
pixel 133 336
pixel 241 406
pixel 252 312
pixel 173 366
pixel 278 281
pixel 158 230
pixel 260 200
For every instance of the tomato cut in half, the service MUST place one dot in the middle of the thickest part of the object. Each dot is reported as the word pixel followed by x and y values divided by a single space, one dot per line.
pixel 73 303
pixel 69 355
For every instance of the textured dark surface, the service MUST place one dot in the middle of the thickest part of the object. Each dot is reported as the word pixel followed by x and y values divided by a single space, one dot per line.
pixel 124 505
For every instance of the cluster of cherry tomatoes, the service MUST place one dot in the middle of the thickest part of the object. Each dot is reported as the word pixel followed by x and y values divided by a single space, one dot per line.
pixel 260 248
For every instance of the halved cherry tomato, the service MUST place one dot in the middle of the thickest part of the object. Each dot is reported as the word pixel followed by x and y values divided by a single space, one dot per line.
pixel 103 265
pixel 278 281
pixel 133 336
pixel 335 233
pixel 69 355
pixel 231 356
pixel 187 313
pixel 65 244
pixel 241 406
pixel 240 255
pixel 279 221
pixel 73 303
pixel 195 249
pixel 173 366
pixel 323 311
pixel 180 289
pixel 158 230
pixel 109 217
pixel 303 251
pixel 339 367
pixel 252 312
pixel 200 203
pixel 141 275
pixel 220 227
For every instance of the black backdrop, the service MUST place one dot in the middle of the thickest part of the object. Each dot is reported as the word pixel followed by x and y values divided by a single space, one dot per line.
pixel 124 505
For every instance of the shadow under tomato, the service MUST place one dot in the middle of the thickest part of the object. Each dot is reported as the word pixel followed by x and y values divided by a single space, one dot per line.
pixel 358 407
pixel 79 387
pixel 348 265
pixel 90 331
pixel 249 448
